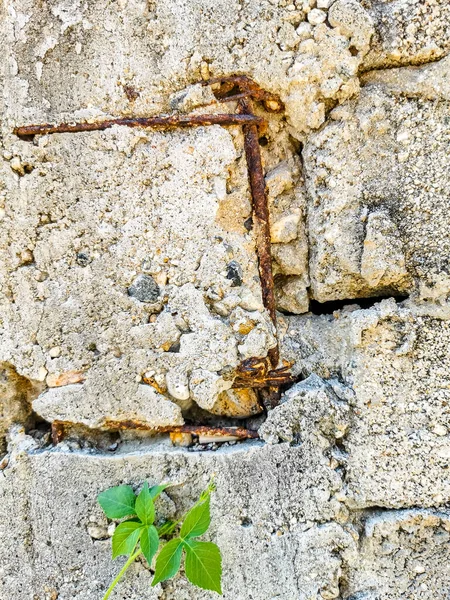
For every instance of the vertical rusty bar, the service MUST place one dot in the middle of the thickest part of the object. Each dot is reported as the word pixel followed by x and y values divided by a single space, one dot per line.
pixel 261 222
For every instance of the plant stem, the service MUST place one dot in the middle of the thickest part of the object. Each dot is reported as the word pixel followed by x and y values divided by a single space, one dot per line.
pixel 121 573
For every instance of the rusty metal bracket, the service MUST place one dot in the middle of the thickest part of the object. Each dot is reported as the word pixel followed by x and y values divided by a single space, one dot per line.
pixel 263 374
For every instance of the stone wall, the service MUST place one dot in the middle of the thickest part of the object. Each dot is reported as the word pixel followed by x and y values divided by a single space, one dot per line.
pixel 130 293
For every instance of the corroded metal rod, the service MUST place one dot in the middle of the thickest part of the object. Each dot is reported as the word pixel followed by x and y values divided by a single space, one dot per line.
pixel 238 432
pixel 270 395
pixel 59 429
pixel 260 217
pixel 247 88
pixel 164 122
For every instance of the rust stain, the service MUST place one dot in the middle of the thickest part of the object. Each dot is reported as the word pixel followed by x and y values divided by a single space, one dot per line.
pixel 245 328
pixel 131 93
pixel 151 381
pixel 58 432
pixel 61 379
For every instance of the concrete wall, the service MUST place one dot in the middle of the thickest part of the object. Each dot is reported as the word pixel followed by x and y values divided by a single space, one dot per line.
pixel 129 291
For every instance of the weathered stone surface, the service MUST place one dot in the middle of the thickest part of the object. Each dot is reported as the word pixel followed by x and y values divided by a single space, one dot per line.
pixel 428 81
pixel 178 45
pixel 129 289
pixel 309 407
pixel 404 555
pixel 87 310
pixel 411 32
pixel 263 516
pixel 16 395
pixel 73 403
pixel 393 362
pixel 378 187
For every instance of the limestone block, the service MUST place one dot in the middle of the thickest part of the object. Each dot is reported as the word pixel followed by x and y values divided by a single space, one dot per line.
pixel 131 262
pixel 73 403
pixel 379 192
pixel 382 259
pixel 394 359
pixel 309 407
pixel 407 33
pixel 404 555
pixel 264 518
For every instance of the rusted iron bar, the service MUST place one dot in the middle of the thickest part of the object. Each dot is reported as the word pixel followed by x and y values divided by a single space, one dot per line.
pixel 165 122
pixel 238 432
pixel 246 88
pixel 261 221
pixel 59 429
pixel 257 373
pixel 270 394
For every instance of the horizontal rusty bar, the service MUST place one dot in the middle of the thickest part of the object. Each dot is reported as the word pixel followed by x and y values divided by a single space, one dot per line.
pixel 164 122
pixel 239 432
pixel 59 429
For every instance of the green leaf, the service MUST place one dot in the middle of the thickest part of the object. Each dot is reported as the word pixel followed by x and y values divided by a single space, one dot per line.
pixel 203 565
pixel 117 502
pixel 157 489
pixel 149 542
pixel 125 538
pixel 196 521
pixel 168 561
pixel 145 508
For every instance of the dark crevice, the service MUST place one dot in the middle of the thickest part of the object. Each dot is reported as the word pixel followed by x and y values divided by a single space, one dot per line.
pixel 328 308
pixel 39 429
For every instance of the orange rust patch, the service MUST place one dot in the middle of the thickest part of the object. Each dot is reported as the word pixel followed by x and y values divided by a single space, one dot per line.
pixel 60 379
pixel 153 383
pixel 245 328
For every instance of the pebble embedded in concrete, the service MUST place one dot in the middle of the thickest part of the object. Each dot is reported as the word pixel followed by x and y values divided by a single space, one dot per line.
pixel 144 288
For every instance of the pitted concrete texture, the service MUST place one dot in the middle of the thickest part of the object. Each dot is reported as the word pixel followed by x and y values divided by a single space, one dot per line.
pixel 391 363
pixel 404 554
pixel 379 185
pixel 277 532
pixel 97 215
pixel 271 520
pixel 412 32
pixel 133 55
pixel 129 291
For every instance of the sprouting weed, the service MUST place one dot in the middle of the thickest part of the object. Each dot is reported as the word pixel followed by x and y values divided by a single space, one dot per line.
pixel 138 535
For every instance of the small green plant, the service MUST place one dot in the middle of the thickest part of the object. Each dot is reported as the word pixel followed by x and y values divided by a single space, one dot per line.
pixel 138 535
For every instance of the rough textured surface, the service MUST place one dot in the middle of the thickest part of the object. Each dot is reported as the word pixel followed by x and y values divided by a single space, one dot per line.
pixel 378 172
pixel 129 290
pixel 412 32
pixel 393 367
pixel 404 555
pixel 74 297
pixel 261 509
